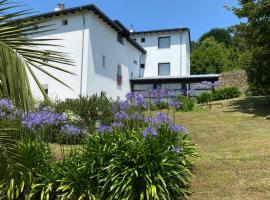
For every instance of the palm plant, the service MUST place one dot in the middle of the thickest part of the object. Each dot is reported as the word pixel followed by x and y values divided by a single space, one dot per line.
pixel 20 56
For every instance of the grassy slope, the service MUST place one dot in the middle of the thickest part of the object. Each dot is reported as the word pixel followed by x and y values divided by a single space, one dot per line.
pixel 234 146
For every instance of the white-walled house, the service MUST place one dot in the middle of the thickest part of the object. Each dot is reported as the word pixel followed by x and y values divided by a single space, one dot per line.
pixel 109 59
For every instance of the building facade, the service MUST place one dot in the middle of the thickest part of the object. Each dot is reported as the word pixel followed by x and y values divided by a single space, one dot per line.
pixel 111 60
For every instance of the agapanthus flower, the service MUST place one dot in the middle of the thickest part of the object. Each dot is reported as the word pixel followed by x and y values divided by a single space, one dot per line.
pixel 174 104
pixel 104 129
pixel 70 130
pixel 136 116
pixel 162 118
pixel 177 128
pixel 150 130
pixel 120 116
pixel 150 120
pixel 117 125
pixel 124 105
pixel 39 119
pixel 6 105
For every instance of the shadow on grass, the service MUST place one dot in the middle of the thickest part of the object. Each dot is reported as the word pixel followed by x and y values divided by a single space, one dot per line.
pixel 258 106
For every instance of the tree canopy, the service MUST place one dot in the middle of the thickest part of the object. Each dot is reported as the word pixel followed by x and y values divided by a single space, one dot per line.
pixel 221 35
pixel 257 34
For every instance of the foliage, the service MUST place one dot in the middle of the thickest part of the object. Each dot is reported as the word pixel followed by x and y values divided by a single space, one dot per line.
pixel 226 93
pixel 256 32
pixel 210 57
pixel 19 55
pixel 204 98
pixel 187 104
pixel 220 35
pixel 90 109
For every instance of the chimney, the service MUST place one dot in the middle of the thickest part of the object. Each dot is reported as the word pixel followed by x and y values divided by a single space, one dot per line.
pixel 59 7
pixel 131 30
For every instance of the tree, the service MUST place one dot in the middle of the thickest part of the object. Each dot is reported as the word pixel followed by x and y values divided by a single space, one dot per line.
pixel 219 34
pixel 210 57
pixel 256 32
pixel 19 55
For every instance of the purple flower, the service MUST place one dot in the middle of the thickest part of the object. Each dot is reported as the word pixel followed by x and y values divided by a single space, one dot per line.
pixel 104 129
pixel 136 116
pixel 162 118
pixel 42 118
pixel 117 125
pixel 124 105
pixel 177 128
pixel 70 130
pixel 174 104
pixel 150 120
pixel 150 130
pixel 121 116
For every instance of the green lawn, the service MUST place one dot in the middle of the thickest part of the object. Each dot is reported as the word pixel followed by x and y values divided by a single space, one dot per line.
pixel 233 141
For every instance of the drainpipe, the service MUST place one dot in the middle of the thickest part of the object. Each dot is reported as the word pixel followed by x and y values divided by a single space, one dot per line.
pixel 181 53
pixel 82 51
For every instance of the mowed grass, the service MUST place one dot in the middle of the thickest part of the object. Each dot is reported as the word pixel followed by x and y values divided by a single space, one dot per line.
pixel 233 142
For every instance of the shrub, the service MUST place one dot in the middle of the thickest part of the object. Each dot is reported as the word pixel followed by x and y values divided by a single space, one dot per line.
pixel 226 93
pixel 187 104
pixel 91 109
pixel 204 98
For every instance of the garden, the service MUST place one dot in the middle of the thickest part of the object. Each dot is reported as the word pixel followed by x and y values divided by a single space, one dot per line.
pixel 95 148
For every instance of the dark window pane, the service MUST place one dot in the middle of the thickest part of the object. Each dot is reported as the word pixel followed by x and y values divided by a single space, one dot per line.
pixel 164 42
pixel 164 69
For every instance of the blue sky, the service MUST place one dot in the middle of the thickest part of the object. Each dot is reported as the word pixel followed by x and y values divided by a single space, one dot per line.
pixel 198 15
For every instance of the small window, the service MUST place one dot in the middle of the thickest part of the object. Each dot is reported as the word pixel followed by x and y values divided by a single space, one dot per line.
pixel 119 75
pixel 64 22
pixel 120 38
pixel 103 94
pixel 131 74
pixel 164 42
pixel 142 66
pixel 103 61
pixel 143 40
pixel 164 69
pixel 135 62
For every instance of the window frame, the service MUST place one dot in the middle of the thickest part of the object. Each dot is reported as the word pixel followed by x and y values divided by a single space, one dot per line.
pixel 159 47
pixel 143 40
pixel 64 22
pixel 167 63
pixel 120 38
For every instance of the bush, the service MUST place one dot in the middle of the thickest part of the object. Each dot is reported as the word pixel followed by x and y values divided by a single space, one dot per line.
pixel 226 93
pixel 187 104
pixel 204 98
pixel 91 109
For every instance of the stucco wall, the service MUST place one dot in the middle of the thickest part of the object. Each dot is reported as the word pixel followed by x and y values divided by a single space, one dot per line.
pixel 103 41
pixel 177 55
pixel 99 40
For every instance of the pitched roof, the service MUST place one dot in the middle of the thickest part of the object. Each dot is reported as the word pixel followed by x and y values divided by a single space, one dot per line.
pixel 160 31
pixel 116 25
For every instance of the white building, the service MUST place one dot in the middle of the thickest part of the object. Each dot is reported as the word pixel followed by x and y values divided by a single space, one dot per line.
pixel 110 59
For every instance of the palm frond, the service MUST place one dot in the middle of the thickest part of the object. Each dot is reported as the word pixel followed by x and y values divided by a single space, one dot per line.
pixel 19 54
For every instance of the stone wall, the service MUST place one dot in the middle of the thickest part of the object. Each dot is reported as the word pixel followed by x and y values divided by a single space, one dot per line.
pixel 236 78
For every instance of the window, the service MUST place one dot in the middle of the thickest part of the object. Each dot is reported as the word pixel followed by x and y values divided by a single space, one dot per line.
pixel 64 22
pixel 164 42
pixel 120 38
pixel 143 40
pixel 142 66
pixel 131 74
pixel 119 75
pixel 135 39
pixel 164 69
pixel 103 61
pixel 135 62
pixel 103 94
